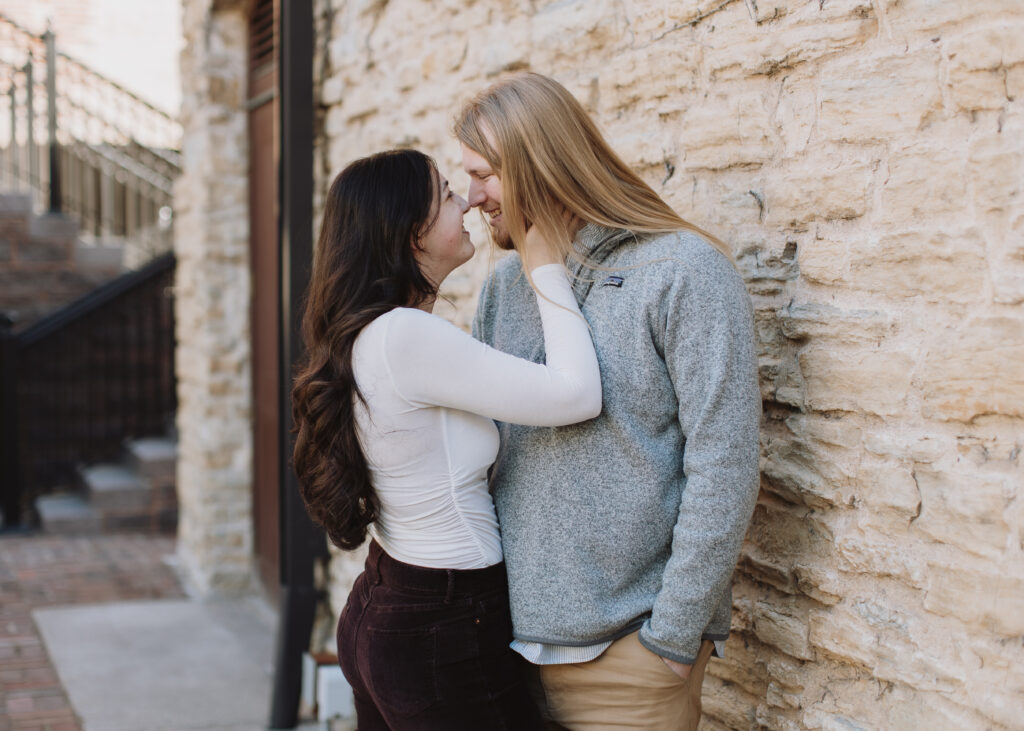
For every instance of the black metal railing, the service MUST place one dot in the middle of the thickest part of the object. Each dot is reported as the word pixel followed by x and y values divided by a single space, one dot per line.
pixel 85 146
pixel 77 383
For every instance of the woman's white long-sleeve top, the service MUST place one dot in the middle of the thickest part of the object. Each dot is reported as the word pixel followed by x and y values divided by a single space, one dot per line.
pixel 431 392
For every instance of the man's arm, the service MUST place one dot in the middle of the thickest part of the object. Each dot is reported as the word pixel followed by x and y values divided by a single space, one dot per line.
pixel 710 356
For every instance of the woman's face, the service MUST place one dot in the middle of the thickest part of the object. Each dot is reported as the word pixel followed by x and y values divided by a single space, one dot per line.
pixel 446 244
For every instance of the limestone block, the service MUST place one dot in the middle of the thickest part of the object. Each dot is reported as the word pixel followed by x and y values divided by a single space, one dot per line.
pixel 332 91
pixel 973 368
pixel 688 11
pixel 227 91
pixel 996 173
pixel 812 320
pixel 980 598
pixel 778 48
pixel 823 585
pixel 889 485
pixel 767 11
pixel 364 101
pixel 781 548
pixel 722 133
pixel 1007 267
pixel 659 77
pixel 566 31
pixel 876 98
pixel 926 17
pixel 995 671
pixel 783 625
pixel 837 379
pixel 843 634
pixel 771 346
pixel 931 711
pixel 741 665
pixel 910 653
pixel 777 696
pixel 725 706
pixel 832 431
pixel 645 20
pixel 768 571
pixel 977 62
pixel 816 462
pixel 996 168
pixel 346 51
pixel 940 266
pixel 824 260
pixel 912 710
pixel 765 268
pixel 898 444
pixel 922 183
pixel 787 671
pixel 1015 82
pixel 795 113
pixel 794 472
pixel 647 148
pixel 973 91
pixel 964 509
pixel 510 49
pixel 824 184
pixel 872 551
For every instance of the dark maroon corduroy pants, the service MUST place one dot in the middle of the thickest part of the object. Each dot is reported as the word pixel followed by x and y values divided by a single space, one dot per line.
pixel 428 649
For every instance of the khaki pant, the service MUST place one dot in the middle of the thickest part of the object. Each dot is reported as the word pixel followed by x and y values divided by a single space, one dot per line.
pixel 627 687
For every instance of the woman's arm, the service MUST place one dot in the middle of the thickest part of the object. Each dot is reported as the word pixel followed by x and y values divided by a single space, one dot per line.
pixel 433 363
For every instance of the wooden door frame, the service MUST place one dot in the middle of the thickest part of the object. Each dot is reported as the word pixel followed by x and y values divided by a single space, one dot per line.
pixel 263 109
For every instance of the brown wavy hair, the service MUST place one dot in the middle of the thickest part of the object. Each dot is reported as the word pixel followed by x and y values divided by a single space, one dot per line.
pixel 375 212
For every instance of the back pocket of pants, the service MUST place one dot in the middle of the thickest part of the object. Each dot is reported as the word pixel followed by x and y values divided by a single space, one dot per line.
pixel 401 670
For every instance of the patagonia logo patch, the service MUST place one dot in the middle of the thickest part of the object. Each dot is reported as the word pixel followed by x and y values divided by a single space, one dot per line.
pixel 612 282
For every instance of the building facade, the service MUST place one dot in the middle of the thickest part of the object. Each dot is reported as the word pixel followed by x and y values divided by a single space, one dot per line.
pixel 864 160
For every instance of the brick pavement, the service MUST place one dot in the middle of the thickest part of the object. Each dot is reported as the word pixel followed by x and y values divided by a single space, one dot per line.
pixel 43 571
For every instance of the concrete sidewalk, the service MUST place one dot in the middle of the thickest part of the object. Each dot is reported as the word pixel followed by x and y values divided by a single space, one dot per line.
pixel 164 665
pixel 96 634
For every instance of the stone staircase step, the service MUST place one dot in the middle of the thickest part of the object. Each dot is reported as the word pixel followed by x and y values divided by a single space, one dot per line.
pixel 16 204
pixel 136 494
pixel 153 458
pixel 105 258
pixel 115 488
pixel 68 514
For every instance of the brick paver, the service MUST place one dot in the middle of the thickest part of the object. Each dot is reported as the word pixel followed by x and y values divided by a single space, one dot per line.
pixel 42 571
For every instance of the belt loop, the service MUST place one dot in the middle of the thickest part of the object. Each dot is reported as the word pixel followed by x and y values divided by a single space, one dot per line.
pixel 377 578
pixel 451 586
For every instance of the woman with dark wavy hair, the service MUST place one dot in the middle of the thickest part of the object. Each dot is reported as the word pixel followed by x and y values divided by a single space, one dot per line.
pixel 393 407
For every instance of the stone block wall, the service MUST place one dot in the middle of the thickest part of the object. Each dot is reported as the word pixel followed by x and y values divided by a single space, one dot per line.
pixel 864 159
pixel 211 242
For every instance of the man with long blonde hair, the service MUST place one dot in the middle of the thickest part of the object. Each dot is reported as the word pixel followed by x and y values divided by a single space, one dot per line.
pixel 621 533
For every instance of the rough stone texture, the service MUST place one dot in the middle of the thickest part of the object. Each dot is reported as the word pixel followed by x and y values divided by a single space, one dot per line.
pixel 864 158
pixel 211 240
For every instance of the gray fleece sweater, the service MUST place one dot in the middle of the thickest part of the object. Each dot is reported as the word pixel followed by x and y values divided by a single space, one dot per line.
pixel 633 519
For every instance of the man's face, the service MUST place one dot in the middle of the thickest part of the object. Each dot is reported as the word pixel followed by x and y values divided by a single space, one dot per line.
pixel 485 194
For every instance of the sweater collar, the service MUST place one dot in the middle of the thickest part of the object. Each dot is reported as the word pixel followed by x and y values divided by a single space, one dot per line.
pixel 592 245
